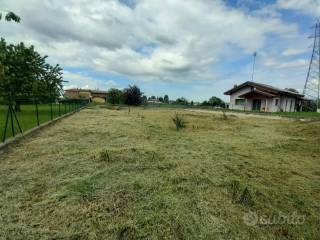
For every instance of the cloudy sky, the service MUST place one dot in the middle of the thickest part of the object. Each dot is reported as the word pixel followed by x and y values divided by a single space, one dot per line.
pixel 190 48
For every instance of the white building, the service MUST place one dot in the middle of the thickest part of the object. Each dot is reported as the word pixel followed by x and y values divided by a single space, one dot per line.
pixel 252 96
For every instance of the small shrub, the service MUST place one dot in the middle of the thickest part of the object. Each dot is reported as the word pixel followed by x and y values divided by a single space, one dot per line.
pixel 240 196
pixel 235 187
pixel 246 198
pixel 141 116
pixel 179 121
pixel 224 115
pixel 104 156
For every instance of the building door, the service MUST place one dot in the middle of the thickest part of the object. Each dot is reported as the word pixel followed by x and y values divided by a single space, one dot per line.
pixel 256 104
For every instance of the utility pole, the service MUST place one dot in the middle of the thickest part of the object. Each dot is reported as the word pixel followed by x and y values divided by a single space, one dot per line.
pixel 253 66
pixel 312 85
pixel 318 100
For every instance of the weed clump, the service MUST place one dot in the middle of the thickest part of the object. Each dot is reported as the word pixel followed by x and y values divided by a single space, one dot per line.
pixel 105 156
pixel 246 198
pixel 224 115
pixel 235 188
pixel 179 121
pixel 239 196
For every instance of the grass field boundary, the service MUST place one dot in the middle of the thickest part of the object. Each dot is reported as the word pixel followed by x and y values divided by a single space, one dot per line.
pixel 283 115
pixel 26 133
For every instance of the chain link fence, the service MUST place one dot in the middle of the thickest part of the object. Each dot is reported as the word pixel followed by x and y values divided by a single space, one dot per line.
pixel 24 114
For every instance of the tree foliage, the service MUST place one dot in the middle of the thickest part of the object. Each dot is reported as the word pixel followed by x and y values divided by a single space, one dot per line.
pixel 166 98
pixel 132 95
pixel 11 16
pixel 25 74
pixel 182 101
pixel 214 102
pixel 309 106
pixel 292 90
pixel 114 96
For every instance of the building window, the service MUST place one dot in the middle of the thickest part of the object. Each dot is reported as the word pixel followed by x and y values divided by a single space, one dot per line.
pixel 277 102
pixel 240 101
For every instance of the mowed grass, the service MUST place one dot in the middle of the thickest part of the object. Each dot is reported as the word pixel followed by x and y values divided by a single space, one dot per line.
pixel 128 174
pixel 295 115
pixel 27 117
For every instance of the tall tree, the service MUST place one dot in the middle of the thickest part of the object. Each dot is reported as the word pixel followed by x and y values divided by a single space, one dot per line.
pixel 166 98
pixel 25 74
pixel 10 16
pixel 114 96
pixel 132 95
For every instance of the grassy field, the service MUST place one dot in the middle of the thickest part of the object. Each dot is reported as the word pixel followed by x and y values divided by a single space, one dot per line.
pixel 27 117
pixel 297 115
pixel 129 174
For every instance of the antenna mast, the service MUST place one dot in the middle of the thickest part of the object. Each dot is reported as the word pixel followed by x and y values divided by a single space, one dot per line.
pixel 312 84
pixel 254 62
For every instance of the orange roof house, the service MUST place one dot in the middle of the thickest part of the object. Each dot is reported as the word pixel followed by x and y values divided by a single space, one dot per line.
pixel 92 95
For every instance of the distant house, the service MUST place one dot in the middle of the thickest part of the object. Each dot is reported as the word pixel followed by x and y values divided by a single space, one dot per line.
pixel 261 97
pixel 154 101
pixel 91 95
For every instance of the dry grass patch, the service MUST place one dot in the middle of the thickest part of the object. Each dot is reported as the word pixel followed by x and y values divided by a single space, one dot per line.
pixel 120 174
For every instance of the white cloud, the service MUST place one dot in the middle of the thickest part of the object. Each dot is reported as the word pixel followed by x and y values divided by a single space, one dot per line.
pixel 184 38
pixel 294 64
pixel 292 52
pixel 311 7
pixel 80 80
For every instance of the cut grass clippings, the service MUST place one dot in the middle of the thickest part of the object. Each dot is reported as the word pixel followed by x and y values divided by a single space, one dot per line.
pixel 119 174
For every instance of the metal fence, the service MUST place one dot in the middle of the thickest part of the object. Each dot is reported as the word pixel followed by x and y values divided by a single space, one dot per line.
pixel 18 118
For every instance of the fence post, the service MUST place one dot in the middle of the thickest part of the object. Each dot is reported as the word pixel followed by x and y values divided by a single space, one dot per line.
pixel 5 126
pixel 51 113
pixel 15 116
pixel 37 113
pixel 12 126
pixel 59 110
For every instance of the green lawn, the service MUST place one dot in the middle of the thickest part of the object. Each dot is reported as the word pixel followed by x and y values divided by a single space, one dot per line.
pixel 129 174
pixel 27 117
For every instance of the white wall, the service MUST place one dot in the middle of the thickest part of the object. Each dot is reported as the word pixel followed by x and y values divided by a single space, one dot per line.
pixel 272 107
pixel 286 104
pixel 236 95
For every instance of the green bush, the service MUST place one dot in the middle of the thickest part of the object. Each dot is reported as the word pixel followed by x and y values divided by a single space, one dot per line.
pixel 179 121
pixel 114 96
